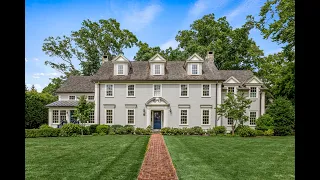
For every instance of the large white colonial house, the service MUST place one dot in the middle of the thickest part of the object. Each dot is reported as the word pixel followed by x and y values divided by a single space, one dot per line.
pixel 158 93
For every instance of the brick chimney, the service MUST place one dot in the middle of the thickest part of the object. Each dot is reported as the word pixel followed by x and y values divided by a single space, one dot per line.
pixel 209 56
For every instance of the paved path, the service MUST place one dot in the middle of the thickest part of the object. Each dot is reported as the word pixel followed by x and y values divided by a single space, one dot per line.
pixel 157 162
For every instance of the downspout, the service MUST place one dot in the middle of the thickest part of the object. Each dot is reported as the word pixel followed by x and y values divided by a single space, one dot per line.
pixel 99 103
pixel 260 104
pixel 215 123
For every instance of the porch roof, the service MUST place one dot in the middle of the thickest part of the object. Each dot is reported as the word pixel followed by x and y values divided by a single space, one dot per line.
pixel 63 104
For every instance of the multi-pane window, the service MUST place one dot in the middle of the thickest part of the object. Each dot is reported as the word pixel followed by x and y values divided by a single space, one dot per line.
pixel 55 116
pixel 253 116
pixel 109 116
pixel 130 115
pixel 109 90
pixel 206 90
pixel 157 69
pixel 157 90
pixel 230 121
pixel 91 117
pixel 183 116
pixel 231 90
pixel 72 97
pixel 194 69
pixel 63 115
pixel 205 116
pixel 131 90
pixel 90 97
pixel 184 90
pixel 253 91
pixel 120 68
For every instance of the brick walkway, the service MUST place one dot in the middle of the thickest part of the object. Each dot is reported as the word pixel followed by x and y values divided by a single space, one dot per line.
pixel 157 162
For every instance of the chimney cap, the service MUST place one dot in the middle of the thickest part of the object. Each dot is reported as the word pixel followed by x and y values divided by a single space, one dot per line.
pixel 210 52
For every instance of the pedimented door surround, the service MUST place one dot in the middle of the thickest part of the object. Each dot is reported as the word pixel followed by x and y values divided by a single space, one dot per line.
pixel 157 104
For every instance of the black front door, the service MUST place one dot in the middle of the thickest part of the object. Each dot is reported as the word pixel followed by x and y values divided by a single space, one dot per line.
pixel 156 119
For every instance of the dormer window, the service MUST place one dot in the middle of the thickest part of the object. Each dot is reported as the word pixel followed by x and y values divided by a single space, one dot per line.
pixel 120 69
pixel 194 69
pixel 157 69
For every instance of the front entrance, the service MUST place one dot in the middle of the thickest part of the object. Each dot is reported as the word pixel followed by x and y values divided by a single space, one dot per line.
pixel 156 119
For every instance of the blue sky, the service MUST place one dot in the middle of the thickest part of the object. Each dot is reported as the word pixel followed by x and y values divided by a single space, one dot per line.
pixel 153 21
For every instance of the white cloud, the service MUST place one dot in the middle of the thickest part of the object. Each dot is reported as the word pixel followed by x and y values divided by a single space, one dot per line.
pixel 26 59
pixel 170 43
pixel 273 51
pixel 200 6
pixel 36 77
pixel 245 8
pixel 37 86
pixel 36 59
pixel 137 19
pixel 46 74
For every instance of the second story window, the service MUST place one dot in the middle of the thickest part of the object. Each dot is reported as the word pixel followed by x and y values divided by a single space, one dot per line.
pixel 90 98
pixel 206 90
pixel 109 90
pixel 194 69
pixel 130 90
pixel 157 90
pixel 157 69
pixel 184 90
pixel 120 69
pixel 72 97
pixel 231 90
pixel 253 92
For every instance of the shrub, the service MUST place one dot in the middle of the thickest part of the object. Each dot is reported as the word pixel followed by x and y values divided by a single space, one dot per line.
pixel 184 131
pixel 269 132
pixel 197 130
pixel 86 130
pixel 116 126
pixel 74 135
pixel 229 135
pixel 103 128
pixel 45 126
pixel 282 113
pixel 139 131
pixel 95 134
pixel 102 134
pixel 282 131
pixel 129 129
pixel 165 131
pixel 246 131
pixel 147 131
pixel 264 122
pixel 210 131
pixel 259 132
pixel 174 131
pixel 49 132
pixel 220 130
pixel 31 133
pixel 111 132
pixel 121 130
pixel 69 129
pixel 93 128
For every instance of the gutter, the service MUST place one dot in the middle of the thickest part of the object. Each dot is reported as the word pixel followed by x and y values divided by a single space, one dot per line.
pixel 215 123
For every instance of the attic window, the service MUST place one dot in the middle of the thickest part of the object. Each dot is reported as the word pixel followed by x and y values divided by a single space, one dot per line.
pixel 194 69
pixel 120 69
pixel 157 69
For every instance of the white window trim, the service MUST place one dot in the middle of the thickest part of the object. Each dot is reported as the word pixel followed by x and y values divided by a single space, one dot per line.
pixel 75 98
pixel 209 91
pixel 202 117
pixel 93 119
pixel 256 118
pixel 160 90
pixel 180 117
pixel 105 115
pixel 58 116
pixel 105 91
pixel 118 69
pixel 197 64
pixel 134 91
pixel 257 90
pixel 229 125
pixel 187 91
pixel 154 70
pixel 134 117
pixel 234 89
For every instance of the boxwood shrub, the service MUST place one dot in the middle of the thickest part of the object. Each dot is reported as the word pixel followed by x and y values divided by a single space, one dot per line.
pixel 246 131
pixel 220 130
pixel 93 128
pixel 103 128
pixel 70 129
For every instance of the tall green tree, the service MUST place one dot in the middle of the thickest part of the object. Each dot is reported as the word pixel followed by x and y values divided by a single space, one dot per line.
pixel 233 49
pixel 33 88
pixel 83 110
pixel 53 86
pixel 88 45
pixel 234 106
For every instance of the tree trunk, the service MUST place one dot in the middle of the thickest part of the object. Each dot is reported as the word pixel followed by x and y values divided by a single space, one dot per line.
pixel 82 129
pixel 232 130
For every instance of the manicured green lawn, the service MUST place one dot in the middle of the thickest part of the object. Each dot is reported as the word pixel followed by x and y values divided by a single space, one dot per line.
pixel 231 158
pixel 88 157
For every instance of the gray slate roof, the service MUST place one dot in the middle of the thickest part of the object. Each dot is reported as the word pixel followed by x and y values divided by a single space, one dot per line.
pixel 63 104
pixel 79 84
pixel 175 70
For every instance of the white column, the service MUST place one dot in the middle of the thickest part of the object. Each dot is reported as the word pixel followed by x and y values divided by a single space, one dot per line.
pixel 219 122
pixel 148 117
pixel 165 118
pixel 68 116
pixel 50 117
pixel 96 91
pixel 263 101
